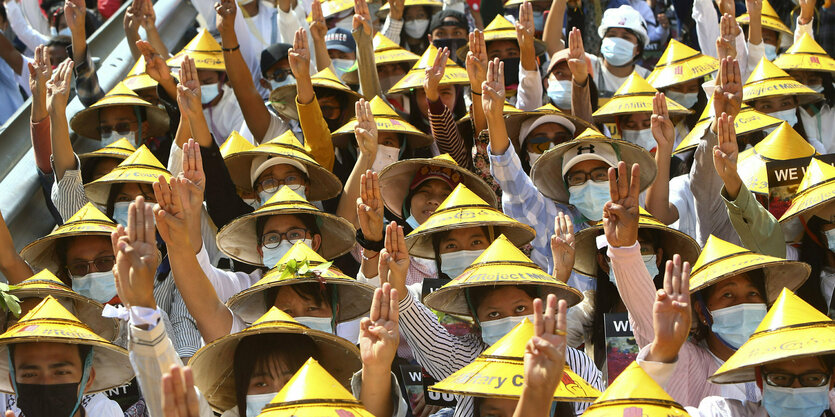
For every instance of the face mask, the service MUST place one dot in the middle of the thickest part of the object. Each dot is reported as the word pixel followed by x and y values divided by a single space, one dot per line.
pixel 454 263
pixel 736 324
pixel 62 399
pixel 650 262
pixel 617 51
pixel 288 80
pixel 642 138
pixel 416 28
pixel 114 136
pixel 386 155
pixel 323 324
pixel 412 221
pixel 790 402
pixel 816 88
pixel 788 115
pixel 830 238
pixel 208 92
pixel 685 99
pixel 341 66
pixel 511 73
pixel 256 402
pixel 453 44
pixel 255 204
pixel 493 330
pixel 120 212
pixel 271 257
pixel 770 52
pixel 538 21
pixel 589 198
pixel 560 93
pixel 99 286
pixel 63 32
pixel 533 156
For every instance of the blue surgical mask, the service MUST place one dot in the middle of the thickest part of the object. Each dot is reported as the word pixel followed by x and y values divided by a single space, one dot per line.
pixel 493 330
pixel 412 221
pixel 830 239
pixel 288 80
pixel 560 93
pixel 208 92
pixel 256 402
pixel 99 286
pixel 454 263
pixel 120 212
pixel 791 402
pixel 271 257
pixel 770 52
pixel 589 198
pixel 685 99
pixel 539 21
pixel 735 324
pixel 617 51
pixel 642 138
pixel 818 88
pixel 323 324
pixel 651 263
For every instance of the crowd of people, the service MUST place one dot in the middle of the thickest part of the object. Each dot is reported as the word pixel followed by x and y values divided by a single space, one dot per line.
pixel 426 208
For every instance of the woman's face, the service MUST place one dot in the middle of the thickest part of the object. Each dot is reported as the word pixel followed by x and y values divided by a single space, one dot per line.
pixel 771 37
pixel 733 291
pixel 468 238
pixel 636 121
pixel 808 78
pixel 561 72
pixel 503 49
pixel 297 305
pixel 389 139
pixel 504 301
pixel 427 198
pixel 288 226
pixel 497 407
pixel 269 375
pixel 446 94
pixel 691 86
pixel 775 104
pixel 131 190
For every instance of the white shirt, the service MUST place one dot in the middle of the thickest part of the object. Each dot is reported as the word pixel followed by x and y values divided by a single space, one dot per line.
pixel 682 198
pixel 606 82
pixel 225 116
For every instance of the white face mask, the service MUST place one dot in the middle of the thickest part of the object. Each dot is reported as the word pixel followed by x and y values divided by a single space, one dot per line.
pixel 252 202
pixel 99 286
pixel 685 99
pixel 256 402
pixel 412 221
pixel 114 136
pixel 341 66
pixel 533 156
pixel 416 28
pixel 493 330
pixel 770 52
pixel 271 257
pixel 830 239
pixel 288 80
pixel 818 88
pixel 642 138
pixel 651 263
pixel 63 32
pixel 617 51
pixel 386 155
pixel 788 115
pixel 120 212
pixel 323 324
pixel 208 92
pixel 589 198
pixel 454 263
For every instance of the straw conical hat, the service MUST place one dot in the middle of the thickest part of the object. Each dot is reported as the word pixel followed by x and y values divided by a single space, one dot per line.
pixel 501 264
pixel 88 221
pixel 504 359
pixel 462 209
pixel 87 310
pixel 137 79
pixel 238 239
pixel 768 80
pixel 770 19
pixel 435 5
pixel 816 190
pixel 510 113
pixel 634 96
pixel 204 50
pixel 353 297
pixel 781 144
pixel 313 392
pixel 332 7
pixel 514 123
pixel 213 363
pixel 721 260
pixel 546 172
pixel 142 167
pixel 387 120
pixel 591 134
pixel 805 55
pixel 324 184
pixel 791 329
pixel 385 52
pixel 517 3
pixel 747 121
pixel 453 74
pixel 680 63
pixel 396 178
pixel 121 149
pixel 633 391
pixel 49 322
pixel 231 151
pixel 500 29
pixel 283 99
pixel 86 122
pixel 671 240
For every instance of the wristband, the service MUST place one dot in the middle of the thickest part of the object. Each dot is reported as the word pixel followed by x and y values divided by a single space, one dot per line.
pixel 367 244
pixel 238 46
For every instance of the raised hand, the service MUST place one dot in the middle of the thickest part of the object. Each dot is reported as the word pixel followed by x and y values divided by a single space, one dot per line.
pixel 477 60
pixel 394 260
pixel 193 165
pixel 728 31
pixel 396 9
pixel 148 17
pixel 492 91
pixel 577 57
pixel 725 154
pixel 754 8
pixel 58 87
pixel 661 125
pixel 136 256
pixel 225 12
pixel 40 71
pixel 318 27
pixel 366 130
pixel 727 6
pixel 362 17
pixel 807 10
pixel 133 17
pixel 562 246
pixel 671 312
pixel 434 74
pixel 179 398
pixel 170 215
pixel 545 353
pixel 75 11
pixel 379 334
pixel 370 207
pixel 620 215
pixel 188 91
pixel 299 55
pixel 525 30
pixel 727 96
pixel 155 65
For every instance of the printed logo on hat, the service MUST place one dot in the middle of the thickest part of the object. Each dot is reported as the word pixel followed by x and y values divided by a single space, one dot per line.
pixel 582 149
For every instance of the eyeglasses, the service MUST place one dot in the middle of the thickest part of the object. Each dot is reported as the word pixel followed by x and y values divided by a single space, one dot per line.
pixel 271 240
pixel 272 185
pixel 81 268
pixel 600 174
pixel 783 379
pixel 121 127
pixel 279 75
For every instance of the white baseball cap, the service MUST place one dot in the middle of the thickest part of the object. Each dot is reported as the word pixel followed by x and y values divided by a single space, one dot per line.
pixel 534 122
pixel 586 151
pixel 624 17
pixel 262 163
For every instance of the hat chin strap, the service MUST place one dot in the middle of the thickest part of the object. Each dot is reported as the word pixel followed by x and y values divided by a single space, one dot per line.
pixel 85 376
pixel 709 318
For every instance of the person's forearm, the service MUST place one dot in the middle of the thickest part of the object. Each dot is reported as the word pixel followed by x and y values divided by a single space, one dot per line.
pixel 376 390
pixel 304 89
pixel 527 56
pixel 199 129
pixel 755 33
pixel 320 51
pixel 581 101
pixel 446 134
pixel 370 266
pixel 658 194
pixel 22 28
pixel 132 37
pixel 477 112
pixel 552 34
pixel 156 41
pixel 183 131
pixel 9 54
pixel 499 141
pixel 79 47
pixel 41 144
pixel 347 207
pixel 212 317
pixel 366 66
pixel 63 157
pixel 257 116
pixel 13 267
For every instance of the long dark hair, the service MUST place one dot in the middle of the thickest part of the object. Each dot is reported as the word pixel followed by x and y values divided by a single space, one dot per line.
pixel 756 277
pixel 116 188
pixel 815 255
pixel 436 245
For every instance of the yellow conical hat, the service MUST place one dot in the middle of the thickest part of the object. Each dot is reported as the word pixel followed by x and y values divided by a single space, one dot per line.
pixel 385 52
pixel 634 96
pixel 204 50
pixel 503 362
pixel 142 167
pixel 805 55
pixel 396 179
pixel 239 241
pixel 213 364
pixel 634 392
pixel 500 264
pixel 88 221
pixel 791 329
pixel 511 115
pixel 747 121
pixel 313 392
pixel 591 134
pixel 121 149
pixel 464 209
pixel 781 144
pixel 353 298
pixel 816 191
pixel 232 151
pixel 500 29
pixel 435 5
pixel 680 63
pixel 86 122
pixel 50 322
pixel 234 145
pixel 768 80
pixel 721 260
pixel 770 19
pixel 453 73
pixel 283 99
pixel 332 7
pixel 387 120
pixel 671 240
pixel 137 79
pixel 87 310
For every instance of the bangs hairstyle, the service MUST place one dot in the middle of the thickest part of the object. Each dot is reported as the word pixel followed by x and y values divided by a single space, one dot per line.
pixel 319 294
pixel 307 220
pixel 756 277
pixel 476 295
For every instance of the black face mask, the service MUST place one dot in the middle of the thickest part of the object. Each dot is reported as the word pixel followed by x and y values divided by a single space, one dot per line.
pixel 56 400
pixel 511 72
pixel 453 44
